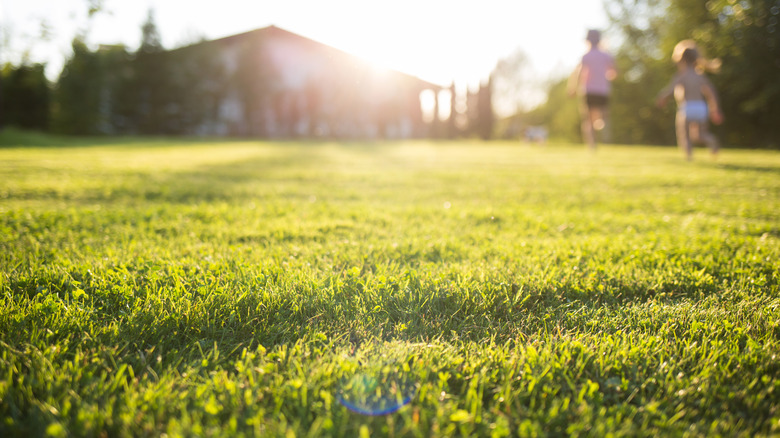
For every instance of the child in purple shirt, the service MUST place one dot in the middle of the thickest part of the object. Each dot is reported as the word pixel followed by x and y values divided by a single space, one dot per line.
pixel 591 80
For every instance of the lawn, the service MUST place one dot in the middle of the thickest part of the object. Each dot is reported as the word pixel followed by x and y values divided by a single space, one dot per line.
pixel 228 288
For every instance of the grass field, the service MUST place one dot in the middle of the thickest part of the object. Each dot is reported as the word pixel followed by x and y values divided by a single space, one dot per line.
pixel 280 289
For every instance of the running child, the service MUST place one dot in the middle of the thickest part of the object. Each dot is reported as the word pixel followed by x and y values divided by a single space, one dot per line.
pixel 592 80
pixel 696 100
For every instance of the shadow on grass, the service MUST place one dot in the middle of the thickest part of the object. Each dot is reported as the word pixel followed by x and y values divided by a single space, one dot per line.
pixel 159 311
pixel 11 138
pixel 749 168
pixel 238 181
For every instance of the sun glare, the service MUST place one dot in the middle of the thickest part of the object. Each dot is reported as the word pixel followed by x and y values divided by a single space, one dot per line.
pixel 387 35
pixel 428 104
pixel 397 54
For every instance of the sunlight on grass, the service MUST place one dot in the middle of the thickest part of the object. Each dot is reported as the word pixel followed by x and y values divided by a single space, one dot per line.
pixel 470 288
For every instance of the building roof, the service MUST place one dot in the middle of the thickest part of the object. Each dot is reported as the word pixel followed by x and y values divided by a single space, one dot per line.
pixel 278 32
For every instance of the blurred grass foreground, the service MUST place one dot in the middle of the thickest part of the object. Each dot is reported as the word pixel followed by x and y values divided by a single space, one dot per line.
pixel 197 288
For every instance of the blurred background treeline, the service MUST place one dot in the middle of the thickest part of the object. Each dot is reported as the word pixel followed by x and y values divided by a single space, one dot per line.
pixel 112 90
pixel 173 94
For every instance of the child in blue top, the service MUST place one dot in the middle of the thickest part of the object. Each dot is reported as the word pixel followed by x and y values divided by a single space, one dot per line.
pixel 696 100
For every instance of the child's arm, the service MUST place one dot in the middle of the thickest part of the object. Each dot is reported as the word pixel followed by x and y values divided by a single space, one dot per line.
pixel 574 80
pixel 708 90
pixel 612 72
pixel 663 95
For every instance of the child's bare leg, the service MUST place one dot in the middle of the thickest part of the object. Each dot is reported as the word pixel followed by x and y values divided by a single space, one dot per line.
pixel 709 139
pixel 588 136
pixel 587 133
pixel 683 142
pixel 606 132
pixel 597 118
pixel 694 132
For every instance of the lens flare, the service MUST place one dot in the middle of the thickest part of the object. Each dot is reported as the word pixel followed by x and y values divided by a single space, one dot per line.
pixel 376 387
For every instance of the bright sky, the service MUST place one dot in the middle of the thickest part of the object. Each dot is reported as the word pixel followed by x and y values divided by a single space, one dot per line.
pixel 440 41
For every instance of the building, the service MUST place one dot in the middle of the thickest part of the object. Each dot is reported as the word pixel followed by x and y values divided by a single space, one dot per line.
pixel 273 83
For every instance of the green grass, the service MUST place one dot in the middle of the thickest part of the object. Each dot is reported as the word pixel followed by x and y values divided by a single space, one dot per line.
pixel 237 288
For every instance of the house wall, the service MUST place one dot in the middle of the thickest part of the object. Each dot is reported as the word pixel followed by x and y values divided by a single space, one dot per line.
pixel 284 85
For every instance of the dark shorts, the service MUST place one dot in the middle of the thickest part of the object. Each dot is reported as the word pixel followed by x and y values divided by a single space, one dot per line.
pixel 596 100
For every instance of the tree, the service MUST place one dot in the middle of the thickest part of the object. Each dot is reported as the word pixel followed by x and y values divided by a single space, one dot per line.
pixel 26 96
pixel 744 34
pixel 452 121
pixel 77 93
pixel 113 91
pixel 150 85
pixel 559 113
pixel 115 63
pixel 94 7
pixel 255 80
pixel 197 84
pixel 151 42
pixel 485 115
pixel 514 85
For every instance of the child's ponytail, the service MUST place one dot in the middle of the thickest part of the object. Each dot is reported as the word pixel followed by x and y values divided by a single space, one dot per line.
pixel 686 49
